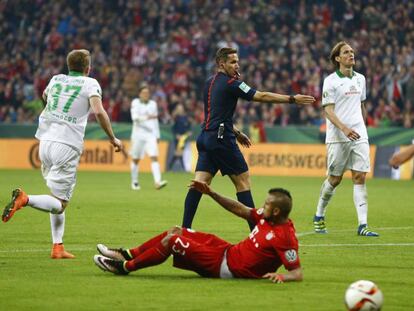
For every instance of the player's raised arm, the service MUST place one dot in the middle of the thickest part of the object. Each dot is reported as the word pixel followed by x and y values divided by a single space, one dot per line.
pixel 231 205
pixel 295 275
pixel 269 97
pixel 103 120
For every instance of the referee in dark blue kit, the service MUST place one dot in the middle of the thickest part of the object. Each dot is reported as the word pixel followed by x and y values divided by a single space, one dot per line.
pixel 216 144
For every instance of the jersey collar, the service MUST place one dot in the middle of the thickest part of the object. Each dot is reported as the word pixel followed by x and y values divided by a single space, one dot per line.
pixel 75 73
pixel 341 75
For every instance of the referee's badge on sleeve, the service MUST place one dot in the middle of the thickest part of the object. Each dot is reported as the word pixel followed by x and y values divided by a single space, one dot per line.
pixel 244 87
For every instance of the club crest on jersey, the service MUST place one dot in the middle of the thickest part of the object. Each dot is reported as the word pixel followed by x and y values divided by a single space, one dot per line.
pixel 244 87
pixel 291 255
pixel 325 94
pixel 260 211
pixel 270 235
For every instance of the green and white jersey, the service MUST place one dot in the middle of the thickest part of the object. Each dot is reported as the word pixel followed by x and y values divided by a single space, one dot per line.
pixel 142 126
pixel 66 114
pixel 346 94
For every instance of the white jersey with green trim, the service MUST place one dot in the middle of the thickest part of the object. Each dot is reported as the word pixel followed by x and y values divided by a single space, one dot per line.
pixel 66 114
pixel 144 123
pixel 346 94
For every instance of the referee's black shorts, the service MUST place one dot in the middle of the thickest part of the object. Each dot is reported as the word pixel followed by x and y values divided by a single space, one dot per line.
pixel 219 154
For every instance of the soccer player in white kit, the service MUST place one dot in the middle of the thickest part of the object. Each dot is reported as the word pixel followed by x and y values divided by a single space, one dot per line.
pixel 344 92
pixel 144 137
pixel 61 129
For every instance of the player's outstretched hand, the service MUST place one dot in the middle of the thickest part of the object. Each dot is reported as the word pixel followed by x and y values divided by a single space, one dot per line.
pixel 200 186
pixel 117 144
pixel 274 277
pixel 304 99
pixel 244 140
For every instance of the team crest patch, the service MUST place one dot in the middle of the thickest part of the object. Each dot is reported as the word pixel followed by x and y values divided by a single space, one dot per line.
pixel 325 94
pixel 244 87
pixel 270 235
pixel 291 255
pixel 260 211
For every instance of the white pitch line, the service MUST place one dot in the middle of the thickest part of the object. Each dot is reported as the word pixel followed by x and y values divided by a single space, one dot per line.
pixel 354 244
pixel 42 250
pixel 300 234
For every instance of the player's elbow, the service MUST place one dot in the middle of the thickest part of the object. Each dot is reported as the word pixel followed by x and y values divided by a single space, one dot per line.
pixel 260 96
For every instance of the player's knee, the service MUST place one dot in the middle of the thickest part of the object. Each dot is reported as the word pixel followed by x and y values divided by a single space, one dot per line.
pixel 59 208
pixel 175 230
pixel 358 179
pixel 168 240
pixel 334 180
pixel 204 177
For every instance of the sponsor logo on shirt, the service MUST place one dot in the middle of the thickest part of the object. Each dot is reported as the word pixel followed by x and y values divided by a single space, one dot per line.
pixel 244 87
pixel 352 91
pixel 291 255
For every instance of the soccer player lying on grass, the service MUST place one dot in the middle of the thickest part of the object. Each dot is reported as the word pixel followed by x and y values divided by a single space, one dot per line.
pixel 272 243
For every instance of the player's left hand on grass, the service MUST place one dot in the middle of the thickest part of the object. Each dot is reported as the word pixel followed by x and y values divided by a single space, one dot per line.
pixel 200 186
pixel 244 140
pixel 274 277
pixel 117 144
pixel 304 99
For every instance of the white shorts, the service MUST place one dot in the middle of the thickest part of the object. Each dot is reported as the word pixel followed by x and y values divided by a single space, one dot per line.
pixel 59 165
pixel 348 156
pixel 144 145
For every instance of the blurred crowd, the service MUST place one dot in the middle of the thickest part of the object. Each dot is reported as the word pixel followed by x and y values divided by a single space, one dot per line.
pixel 170 44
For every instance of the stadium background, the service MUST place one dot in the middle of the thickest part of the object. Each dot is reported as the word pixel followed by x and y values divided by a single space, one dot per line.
pixel 170 44
pixel 283 47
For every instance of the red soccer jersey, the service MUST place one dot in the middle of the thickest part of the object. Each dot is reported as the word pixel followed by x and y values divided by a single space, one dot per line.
pixel 265 250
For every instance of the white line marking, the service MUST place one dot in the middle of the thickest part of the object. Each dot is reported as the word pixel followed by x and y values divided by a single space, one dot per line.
pixel 38 250
pixel 300 234
pixel 83 249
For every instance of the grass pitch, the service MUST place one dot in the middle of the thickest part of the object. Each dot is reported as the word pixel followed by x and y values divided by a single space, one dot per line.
pixel 105 210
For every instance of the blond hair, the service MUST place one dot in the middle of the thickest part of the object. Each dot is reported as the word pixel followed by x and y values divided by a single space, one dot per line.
pixel 78 60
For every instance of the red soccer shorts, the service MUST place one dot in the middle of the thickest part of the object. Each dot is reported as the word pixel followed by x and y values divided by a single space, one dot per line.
pixel 199 252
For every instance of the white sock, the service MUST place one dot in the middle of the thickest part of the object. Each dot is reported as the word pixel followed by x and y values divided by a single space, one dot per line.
pixel 57 224
pixel 45 203
pixel 361 203
pixel 134 172
pixel 327 191
pixel 156 172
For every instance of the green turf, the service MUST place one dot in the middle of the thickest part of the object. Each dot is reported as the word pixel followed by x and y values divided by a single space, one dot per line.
pixel 105 210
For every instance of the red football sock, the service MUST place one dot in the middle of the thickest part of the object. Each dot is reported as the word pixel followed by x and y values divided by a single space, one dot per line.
pixel 150 257
pixel 146 245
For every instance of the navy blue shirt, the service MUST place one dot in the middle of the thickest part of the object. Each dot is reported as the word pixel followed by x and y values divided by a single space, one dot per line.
pixel 181 125
pixel 221 93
